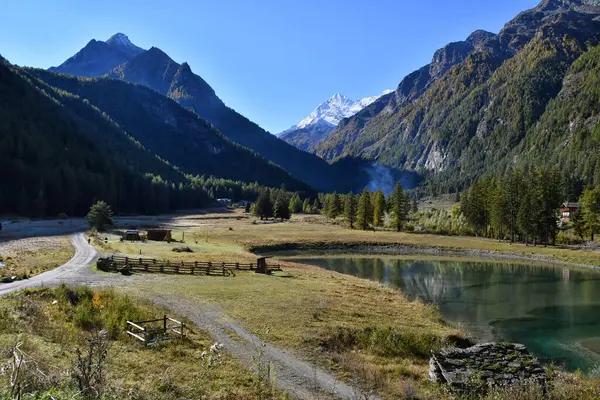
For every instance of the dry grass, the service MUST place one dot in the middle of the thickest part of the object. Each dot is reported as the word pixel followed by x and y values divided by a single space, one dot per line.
pixel 307 308
pixel 51 328
pixel 216 236
pixel 32 256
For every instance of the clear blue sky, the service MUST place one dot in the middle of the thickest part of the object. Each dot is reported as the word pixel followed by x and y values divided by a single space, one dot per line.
pixel 271 60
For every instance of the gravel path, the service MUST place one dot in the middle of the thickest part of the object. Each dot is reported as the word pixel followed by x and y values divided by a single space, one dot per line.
pixel 298 378
pixel 75 269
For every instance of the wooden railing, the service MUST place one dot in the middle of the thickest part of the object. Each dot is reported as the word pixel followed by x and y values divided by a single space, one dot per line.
pixel 129 264
pixel 148 332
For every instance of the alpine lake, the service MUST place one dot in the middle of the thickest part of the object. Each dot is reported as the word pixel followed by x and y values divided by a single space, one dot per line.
pixel 553 310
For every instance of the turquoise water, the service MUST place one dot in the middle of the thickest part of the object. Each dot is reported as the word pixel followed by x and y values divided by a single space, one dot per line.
pixel 554 311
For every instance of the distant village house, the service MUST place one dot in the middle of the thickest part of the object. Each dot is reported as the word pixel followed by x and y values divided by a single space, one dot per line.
pixel 225 202
pixel 567 210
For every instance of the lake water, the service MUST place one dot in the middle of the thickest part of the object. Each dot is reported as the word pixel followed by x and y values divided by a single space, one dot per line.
pixel 553 310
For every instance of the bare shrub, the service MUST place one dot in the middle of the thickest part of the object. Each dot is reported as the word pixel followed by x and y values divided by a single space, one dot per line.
pixel 87 369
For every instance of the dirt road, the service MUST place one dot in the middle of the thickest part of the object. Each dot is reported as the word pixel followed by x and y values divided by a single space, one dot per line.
pixel 76 269
pixel 296 377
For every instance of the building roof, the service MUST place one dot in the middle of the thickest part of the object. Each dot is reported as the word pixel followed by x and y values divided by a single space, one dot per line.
pixel 568 204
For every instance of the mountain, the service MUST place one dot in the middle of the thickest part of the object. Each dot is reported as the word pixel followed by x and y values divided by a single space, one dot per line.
pixel 98 58
pixel 66 142
pixel 479 106
pixel 59 154
pixel 173 133
pixel 323 120
pixel 155 69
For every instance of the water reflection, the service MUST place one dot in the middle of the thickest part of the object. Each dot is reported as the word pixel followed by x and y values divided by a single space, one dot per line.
pixel 554 311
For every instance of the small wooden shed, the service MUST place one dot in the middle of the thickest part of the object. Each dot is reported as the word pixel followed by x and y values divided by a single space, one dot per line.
pixel 261 265
pixel 132 235
pixel 159 235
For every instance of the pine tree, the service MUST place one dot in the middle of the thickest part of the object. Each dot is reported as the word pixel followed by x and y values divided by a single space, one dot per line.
pixel 378 208
pixel 364 214
pixel 513 194
pixel 316 206
pixel 334 206
pixel 264 206
pixel 590 210
pixel 281 207
pixel 306 206
pixel 295 205
pixel 100 216
pixel 350 206
pixel 398 206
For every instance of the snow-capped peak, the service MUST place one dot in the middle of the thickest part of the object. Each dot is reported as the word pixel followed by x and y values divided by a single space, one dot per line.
pixel 122 41
pixel 335 109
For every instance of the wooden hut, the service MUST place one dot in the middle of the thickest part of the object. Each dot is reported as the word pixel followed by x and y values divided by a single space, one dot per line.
pixel 132 235
pixel 159 235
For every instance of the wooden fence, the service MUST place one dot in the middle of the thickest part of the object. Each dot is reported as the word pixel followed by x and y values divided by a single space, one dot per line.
pixel 155 330
pixel 125 264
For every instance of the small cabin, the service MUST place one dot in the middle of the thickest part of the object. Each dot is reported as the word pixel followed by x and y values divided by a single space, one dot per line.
pixel 159 235
pixel 132 235
pixel 567 210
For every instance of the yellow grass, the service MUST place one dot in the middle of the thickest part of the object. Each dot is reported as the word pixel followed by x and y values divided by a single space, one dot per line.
pixel 168 371
pixel 301 308
pixel 32 256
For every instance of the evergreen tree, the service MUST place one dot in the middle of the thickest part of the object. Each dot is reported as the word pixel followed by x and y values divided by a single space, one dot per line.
pixel 498 208
pixel 398 202
pixel 264 206
pixel 295 205
pixel 316 206
pixel 513 194
pixel 100 216
pixel 306 209
pixel 334 206
pixel 281 207
pixel 364 214
pixel 378 208
pixel 350 206
pixel 590 210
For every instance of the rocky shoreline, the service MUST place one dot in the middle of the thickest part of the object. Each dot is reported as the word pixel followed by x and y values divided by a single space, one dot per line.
pixel 493 364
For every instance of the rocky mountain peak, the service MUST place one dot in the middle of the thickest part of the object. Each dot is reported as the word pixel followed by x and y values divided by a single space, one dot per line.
pixel 586 6
pixel 121 41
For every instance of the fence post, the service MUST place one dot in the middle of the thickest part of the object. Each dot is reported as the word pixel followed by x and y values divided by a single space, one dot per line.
pixel 194 266
pixel 209 268
pixel 237 265
pixel 165 325
pixel 223 268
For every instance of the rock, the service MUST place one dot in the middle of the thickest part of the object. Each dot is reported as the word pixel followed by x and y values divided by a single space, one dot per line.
pixel 497 364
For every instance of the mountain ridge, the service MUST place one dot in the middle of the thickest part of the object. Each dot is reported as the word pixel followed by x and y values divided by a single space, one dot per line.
pixel 323 119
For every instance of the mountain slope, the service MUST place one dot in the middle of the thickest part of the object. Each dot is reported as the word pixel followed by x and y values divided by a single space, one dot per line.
pixel 53 162
pixel 175 134
pixel 98 58
pixel 472 118
pixel 323 120
pixel 158 71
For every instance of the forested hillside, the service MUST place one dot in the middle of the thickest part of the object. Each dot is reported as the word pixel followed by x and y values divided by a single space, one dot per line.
pixel 157 70
pixel 59 153
pixel 492 111
pixel 173 133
